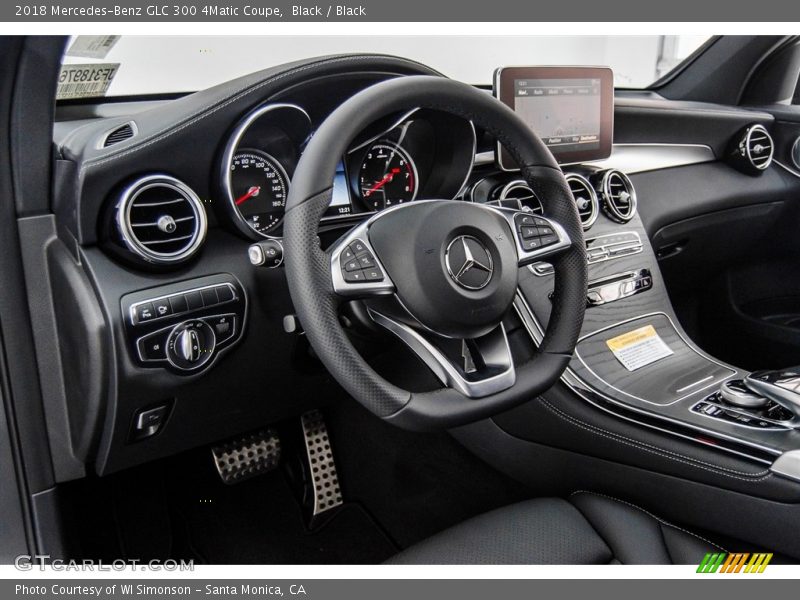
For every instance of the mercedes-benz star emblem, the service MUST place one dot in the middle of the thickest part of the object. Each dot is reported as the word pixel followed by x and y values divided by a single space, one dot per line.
pixel 468 262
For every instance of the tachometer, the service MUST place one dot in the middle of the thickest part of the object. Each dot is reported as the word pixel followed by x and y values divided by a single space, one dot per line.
pixel 258 189
pixel 387 176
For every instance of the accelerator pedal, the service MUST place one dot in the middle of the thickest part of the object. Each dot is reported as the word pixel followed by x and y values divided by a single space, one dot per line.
pixel 323 479
pixel 247 456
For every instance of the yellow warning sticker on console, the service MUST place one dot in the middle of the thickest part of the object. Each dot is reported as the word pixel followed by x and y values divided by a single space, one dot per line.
pixel 639 348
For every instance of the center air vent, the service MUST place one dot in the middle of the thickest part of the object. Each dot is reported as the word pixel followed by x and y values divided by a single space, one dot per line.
pixel 585 199
pixel 752 150
pixel 160 220
pixel 520 193
pixel 619 197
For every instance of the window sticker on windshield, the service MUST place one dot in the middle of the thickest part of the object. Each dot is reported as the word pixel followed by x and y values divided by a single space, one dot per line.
pixel 92 46
pixel 85 81
pixel 638 348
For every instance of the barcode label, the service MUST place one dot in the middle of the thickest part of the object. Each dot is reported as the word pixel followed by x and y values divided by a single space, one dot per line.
pixel 85 81
pixel 92 46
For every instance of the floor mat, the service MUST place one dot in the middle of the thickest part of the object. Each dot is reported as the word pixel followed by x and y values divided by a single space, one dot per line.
pixel 259 521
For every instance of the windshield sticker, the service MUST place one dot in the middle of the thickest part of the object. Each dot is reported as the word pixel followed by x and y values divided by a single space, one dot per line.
pixel 92 46
pixel 639 348
pixel 85 81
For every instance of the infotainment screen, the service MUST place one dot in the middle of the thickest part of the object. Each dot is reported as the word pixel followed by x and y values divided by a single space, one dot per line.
pixel 570 108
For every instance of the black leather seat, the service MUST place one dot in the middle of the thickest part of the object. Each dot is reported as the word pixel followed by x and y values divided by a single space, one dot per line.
pixel 587 528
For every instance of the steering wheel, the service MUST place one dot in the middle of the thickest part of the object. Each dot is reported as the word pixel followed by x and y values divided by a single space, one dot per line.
pixel 439 274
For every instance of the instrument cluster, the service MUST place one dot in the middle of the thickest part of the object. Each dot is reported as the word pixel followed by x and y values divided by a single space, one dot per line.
pixel 421 154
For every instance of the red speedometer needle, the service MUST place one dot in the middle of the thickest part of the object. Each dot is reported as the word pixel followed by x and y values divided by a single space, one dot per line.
pixel 253 191
pixel 387 178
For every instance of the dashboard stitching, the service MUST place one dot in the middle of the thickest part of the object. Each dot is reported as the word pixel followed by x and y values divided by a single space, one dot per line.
pixel 743 475
pixel 649 514
pixel 212 108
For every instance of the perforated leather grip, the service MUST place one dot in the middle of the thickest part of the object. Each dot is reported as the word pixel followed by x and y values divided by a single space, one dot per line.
pixel 308 267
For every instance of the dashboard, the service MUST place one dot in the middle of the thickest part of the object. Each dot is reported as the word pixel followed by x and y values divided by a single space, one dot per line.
pixel 157 203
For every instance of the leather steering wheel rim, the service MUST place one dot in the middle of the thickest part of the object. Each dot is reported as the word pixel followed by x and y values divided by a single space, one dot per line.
pixel 308 267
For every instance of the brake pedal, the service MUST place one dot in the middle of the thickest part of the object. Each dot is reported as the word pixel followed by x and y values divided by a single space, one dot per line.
pixel 322 468
pixel 247 456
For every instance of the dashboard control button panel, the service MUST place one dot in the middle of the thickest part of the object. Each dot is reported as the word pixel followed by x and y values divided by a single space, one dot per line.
pixel 184 327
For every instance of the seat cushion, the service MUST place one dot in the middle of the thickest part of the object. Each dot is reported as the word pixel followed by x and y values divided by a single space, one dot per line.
pixel 587 528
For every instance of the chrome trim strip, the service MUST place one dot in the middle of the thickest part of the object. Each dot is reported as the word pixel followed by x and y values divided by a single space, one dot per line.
pixel 787 465
pixel 691 385
pixel 443 368
pixel 786 168
pixel 232 147
pixel 639 158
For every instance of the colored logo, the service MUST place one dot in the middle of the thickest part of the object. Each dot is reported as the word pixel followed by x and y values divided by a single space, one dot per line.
pixel 740 562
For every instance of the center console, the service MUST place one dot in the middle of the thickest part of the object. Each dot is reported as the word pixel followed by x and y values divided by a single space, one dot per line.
pixel 633 359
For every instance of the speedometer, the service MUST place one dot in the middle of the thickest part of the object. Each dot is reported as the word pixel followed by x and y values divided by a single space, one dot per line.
pixel 258 189
pixel 387 176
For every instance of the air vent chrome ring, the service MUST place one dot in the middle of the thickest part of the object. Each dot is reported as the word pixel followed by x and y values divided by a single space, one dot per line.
pixel 161 222
pixel 588 208
pixel 619 204
pixel 755 141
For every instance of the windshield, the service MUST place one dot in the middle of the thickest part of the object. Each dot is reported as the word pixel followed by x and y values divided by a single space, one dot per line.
pixel 166 64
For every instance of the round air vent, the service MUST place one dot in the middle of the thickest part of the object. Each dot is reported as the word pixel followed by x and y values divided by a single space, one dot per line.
pixel 619 197
pixel 585 199
pixel 160 220
pixel 752 150
pixel 519 192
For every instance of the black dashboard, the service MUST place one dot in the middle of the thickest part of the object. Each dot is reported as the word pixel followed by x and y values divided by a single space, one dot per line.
pixel 158 202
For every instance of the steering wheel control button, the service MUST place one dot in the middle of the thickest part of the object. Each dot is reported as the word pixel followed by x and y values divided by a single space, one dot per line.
pixel 373 274
pixel 354 276
pixel 352 265
pixel 366 260
pixel 531 244
pixel 358 247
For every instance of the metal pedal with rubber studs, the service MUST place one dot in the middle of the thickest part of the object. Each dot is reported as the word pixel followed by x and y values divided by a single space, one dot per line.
pixel 247 456
pixel 322 468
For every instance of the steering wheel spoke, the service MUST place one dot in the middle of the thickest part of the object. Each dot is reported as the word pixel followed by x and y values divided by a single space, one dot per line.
pixel 536 238
pixel 475 367
pixel 356 269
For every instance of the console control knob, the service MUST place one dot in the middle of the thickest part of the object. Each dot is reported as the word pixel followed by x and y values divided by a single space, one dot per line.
pixel 735 392
pixel 190 345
